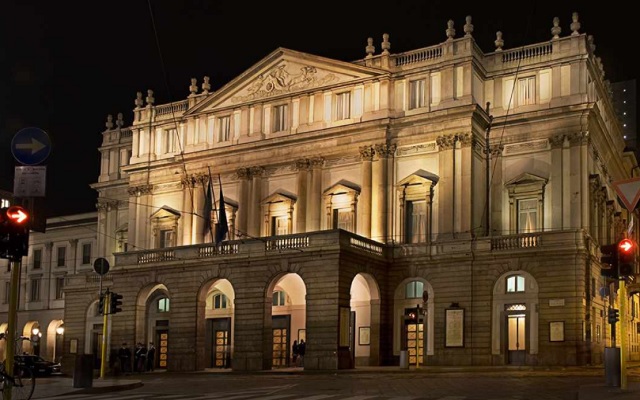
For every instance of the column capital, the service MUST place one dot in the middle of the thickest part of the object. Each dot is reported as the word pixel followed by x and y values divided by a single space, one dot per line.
pixel 316 162
pixel 140 190
pixel 188 181
pixel 385 150
pixel 257 172
pixel 445 142
pixel 465 139
pixel 496 150
pixel 243 173
pixel 302 164
pixel 73 242
pixel 579 138
pixel 366 153
pixel 556 141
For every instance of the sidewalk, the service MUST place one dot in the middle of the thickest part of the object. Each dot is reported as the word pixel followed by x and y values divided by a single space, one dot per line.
pixel 61 385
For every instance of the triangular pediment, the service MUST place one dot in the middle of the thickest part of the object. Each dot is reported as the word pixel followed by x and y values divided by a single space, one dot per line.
pixel 420 177
pixel 165 212
pixel 342 187
pixel 282 73
pixel 279 197
pixel 527 179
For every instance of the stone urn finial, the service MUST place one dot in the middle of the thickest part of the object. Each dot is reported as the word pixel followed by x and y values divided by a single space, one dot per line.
pixel 386 44
pixel 139 101
pixel 109 123
pixel 468 27
pixel 193 88
pixel 555 31
pixel 120 121
pixel 206 86
pixel 499 42
pixel 575 25
pixel 150 99
pixel 451 32
pixel 370 49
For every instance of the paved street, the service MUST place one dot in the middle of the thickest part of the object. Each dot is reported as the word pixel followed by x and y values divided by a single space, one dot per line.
pixel 481 385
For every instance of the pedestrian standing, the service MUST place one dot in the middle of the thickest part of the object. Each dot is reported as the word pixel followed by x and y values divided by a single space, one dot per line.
pixel 302 348
pixel 141 355
pixel 294 351
pixel 151 357
pixel 124 355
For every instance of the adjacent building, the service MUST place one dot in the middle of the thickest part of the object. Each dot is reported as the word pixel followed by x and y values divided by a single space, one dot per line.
pixel 445 204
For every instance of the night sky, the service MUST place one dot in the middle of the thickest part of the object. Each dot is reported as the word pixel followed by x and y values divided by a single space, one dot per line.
pixel 65 65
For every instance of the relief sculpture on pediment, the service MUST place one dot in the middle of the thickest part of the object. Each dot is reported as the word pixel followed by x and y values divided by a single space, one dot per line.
pixel 280 81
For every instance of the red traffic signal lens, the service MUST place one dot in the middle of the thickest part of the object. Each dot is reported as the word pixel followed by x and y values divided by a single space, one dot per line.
pixel 17 215
pixel 626 246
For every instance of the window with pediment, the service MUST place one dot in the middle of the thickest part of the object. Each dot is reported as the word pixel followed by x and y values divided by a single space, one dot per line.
pixel 122 238
pixel 340 202
pixel 526 203
pixel 415 198
pixel 164 223
pixel 277 210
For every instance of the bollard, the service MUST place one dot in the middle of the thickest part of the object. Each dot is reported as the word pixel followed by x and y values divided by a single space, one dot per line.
pixel 83 371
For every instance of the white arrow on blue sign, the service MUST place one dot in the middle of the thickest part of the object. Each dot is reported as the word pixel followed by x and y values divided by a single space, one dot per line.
pixel 31 146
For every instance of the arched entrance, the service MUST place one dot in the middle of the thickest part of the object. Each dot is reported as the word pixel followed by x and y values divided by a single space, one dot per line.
pixel 288 319
pixel 365 309
pixel 154 304
pixel 55 330
pixel 218 297
pixel 93 333
pixel 413 328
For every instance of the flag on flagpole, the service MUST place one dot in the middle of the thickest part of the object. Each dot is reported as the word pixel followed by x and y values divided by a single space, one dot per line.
pixel 206 211
pixel 223 228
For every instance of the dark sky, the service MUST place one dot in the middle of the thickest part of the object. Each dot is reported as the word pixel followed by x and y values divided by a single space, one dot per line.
pixel 65 65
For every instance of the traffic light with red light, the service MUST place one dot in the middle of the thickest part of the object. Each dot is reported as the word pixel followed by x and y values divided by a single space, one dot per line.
pixel 609 261
pixel 14 233
pixel 627 250
pixel 411 316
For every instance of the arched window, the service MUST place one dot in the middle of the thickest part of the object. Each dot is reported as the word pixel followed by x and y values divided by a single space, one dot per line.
pixel 515 283
pixel 220 301
pixel 163 304
pixel 279 298
pixel 414 290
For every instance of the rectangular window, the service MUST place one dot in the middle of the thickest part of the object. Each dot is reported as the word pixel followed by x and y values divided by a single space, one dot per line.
pixel 163 305
pixel 62 255
pixel 167 238
pixel 59 287
pixel 7 292
pixel 343 106
pixel 224 129
pixel 279 226
pixel 416 94
pixel 343 219
pixel 35 289
pixel 280 118
pixel 527 91
pixel 416 223
pixel 527 215
pixel 86 253
pixel 168 140
pixel 515 284
pixel 37 259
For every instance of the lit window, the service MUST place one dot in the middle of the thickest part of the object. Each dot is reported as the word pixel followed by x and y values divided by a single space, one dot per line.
pixel 168 141
pixel 279 298
pixel 220 301
pixel 414 290
pixel 280 118
pixel 343 106
pixel 86 253
pixel 4 203
pixel 279 225
pixel 62 254
pixel 224 128
pixel 416 94
pixel 416 223
pixel 526 91
pixel 163 304
pixel 527 215
pixel 343 219
pixel 515 283
pixel 167 238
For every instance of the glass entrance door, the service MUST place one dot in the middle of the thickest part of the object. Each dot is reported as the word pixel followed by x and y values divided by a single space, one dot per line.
pixel 516 339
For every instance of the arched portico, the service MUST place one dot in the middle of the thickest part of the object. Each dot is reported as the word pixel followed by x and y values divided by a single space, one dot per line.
pixel 153 311
pixel 215 330
pixel 365 303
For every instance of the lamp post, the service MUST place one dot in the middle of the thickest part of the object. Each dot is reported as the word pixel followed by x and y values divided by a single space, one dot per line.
pixel 59 333
pixel 35 338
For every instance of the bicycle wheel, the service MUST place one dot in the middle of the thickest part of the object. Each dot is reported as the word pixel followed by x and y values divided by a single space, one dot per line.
pixel 25 383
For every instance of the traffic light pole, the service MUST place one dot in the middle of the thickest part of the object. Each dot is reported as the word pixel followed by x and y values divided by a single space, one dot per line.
pixel 623 335
pixel 11 323
pixel 105 330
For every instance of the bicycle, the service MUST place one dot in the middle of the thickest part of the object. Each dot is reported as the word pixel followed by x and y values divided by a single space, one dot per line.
pixel 22 382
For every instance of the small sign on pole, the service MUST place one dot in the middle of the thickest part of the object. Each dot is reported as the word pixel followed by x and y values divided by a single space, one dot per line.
pixel 629 192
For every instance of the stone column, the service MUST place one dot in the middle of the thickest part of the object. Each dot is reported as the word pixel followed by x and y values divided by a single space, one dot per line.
pixel 101 242
pixel 253 228
pixel 112 220
pixel 74 256
pixel 143 212
pixel 302 166
pixel 132 217
pixel 314 201
pixel 364 200
pixel 197 232
pixel 582 139
pixel 555 197
pixel 244 206
pixel 379 195
pixel 188 191
pixel 445 185
pixel 497 191
pixel 466 197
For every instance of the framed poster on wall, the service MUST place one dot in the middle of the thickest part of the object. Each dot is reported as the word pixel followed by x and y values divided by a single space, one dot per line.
pixel 556 331
pixel 454 327
pixel 364 336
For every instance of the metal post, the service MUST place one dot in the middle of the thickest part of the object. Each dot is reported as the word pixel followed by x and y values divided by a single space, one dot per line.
pixel 418 336
pixel 487 222
pixel 105 321
pixel 11 323
pixel 623 335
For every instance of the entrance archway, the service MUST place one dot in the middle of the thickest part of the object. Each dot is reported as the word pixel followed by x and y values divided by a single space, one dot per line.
pixel 288 319
pixel 365 304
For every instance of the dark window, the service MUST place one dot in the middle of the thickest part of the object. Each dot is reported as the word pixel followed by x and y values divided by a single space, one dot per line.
pixel 37 259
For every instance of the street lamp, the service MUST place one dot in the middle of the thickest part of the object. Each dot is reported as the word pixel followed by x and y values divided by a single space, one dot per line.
pixel 60 330
pixel 59 333
pixel 35 338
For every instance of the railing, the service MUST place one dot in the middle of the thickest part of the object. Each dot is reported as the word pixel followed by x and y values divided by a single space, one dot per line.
pixel 95 278
pixel 176 107
pixel 523 53
pixel 126 132
pixel 366 246
pixel 295 242
pixel 223 249
pixel 156 256
pixel 523 241
pixel 417 56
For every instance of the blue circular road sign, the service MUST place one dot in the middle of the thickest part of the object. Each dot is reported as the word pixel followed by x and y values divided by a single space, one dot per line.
pixel 31 146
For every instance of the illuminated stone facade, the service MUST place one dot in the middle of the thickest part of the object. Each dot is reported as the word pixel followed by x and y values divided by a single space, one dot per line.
pixel 355 191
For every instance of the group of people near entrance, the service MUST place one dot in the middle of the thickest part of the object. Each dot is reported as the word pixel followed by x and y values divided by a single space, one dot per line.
pixel 143 358
pixel 298 351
